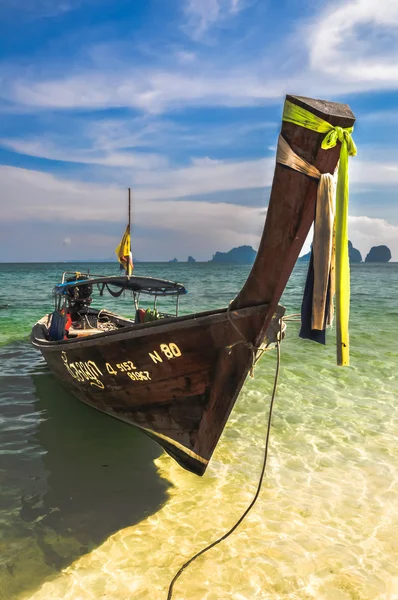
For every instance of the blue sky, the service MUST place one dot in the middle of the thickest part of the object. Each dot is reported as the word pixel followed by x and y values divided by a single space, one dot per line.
pixel 181 100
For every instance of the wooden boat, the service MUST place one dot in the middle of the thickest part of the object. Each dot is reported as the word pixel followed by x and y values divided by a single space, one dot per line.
pixel 178 377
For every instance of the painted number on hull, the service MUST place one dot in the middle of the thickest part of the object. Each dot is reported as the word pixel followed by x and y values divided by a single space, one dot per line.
pixel 130 369
pixel 168 351
pixel 139 376
pixel 125 366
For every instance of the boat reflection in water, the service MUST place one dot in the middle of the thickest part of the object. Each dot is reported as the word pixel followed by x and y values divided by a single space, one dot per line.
pixel 101 475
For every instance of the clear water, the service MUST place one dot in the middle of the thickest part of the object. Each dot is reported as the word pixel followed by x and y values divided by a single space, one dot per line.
pixel 92 509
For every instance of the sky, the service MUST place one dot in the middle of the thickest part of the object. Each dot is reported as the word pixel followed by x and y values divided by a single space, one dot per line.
pixel 181 100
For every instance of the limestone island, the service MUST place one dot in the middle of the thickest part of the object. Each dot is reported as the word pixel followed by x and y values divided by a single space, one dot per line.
pixel 191 259
pixel 173 260
pixel 242 255
pixel 353 254
pixel 379 254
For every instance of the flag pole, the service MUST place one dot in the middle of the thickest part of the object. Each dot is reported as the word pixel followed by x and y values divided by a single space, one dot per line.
pixel 128 258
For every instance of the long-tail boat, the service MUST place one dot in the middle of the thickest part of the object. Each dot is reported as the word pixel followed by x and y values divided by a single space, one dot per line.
pixel 177 377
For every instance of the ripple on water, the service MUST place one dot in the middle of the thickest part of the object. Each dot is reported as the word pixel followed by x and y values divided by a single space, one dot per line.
pixel 325 526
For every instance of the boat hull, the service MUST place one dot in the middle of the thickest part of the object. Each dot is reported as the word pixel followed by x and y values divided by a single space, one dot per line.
pixel 177 380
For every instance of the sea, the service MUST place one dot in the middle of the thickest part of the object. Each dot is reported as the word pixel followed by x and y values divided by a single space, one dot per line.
pixel 92 509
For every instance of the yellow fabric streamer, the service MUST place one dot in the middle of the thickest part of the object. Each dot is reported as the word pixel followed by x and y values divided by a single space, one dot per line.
pixel 302 117
pixel 123 252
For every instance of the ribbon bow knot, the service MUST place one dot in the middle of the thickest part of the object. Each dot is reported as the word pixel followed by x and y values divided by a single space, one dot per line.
pixel 339 134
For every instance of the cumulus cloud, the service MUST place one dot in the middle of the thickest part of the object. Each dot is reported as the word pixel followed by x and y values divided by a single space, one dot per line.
pixel 343 48
pixel 373 173
pixel 349 47
pixel 42 199
pixel 366 232
pixel 52 198
pixel 39 199
pixel 357 42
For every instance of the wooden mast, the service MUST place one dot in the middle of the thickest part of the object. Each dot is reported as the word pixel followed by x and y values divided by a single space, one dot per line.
pixel 129 226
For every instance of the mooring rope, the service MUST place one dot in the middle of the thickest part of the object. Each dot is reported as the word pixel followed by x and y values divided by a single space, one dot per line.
pixel 257 351
pixel 260 481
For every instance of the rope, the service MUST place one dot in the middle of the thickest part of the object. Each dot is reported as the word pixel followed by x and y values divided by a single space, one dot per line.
pixel 257 351
pixel 294 318
pixel 88 322
pixel 102 286
pixel 107 326
pixel 260 481
pixel 116 294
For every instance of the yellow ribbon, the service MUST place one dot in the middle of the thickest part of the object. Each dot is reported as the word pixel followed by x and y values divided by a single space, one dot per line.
pixel 302 117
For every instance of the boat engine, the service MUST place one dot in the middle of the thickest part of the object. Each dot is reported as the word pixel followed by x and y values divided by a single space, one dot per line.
pixel 79 298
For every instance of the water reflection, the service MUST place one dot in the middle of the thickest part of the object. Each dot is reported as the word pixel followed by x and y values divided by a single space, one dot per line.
pixel 70 478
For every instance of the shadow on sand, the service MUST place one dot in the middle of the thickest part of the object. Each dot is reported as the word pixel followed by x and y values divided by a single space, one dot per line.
pixel 82 477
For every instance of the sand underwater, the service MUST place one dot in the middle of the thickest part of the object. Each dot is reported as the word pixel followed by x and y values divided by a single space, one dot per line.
pixel 91 509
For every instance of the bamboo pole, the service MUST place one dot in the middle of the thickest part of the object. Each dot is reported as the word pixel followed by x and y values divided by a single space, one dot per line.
pixel 130 212
pixel 128 258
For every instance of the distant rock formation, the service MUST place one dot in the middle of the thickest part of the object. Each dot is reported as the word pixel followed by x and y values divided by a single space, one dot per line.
pixel 354 255
pixel 242 255
pixel 379 254
pixel 191 259
pixel 173 260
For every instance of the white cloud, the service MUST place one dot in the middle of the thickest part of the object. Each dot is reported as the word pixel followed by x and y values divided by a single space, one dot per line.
pixel 365 232
pixel 152 90
pixel 112 142
pixel 204 14
pixel 183 226
pixel 203 176
pixel 356 43
pixel 46 149
pixel 350 47
pixel 373 173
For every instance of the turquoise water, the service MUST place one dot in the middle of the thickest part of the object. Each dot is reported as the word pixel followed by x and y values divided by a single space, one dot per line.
pixel 91 508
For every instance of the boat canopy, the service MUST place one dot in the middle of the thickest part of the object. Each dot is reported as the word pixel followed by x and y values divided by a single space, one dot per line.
pixel 144 285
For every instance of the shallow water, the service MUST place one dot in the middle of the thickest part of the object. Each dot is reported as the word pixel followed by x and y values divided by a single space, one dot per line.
pixel 91 508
